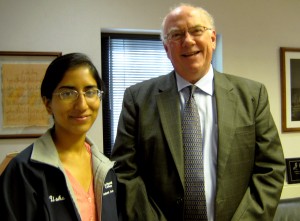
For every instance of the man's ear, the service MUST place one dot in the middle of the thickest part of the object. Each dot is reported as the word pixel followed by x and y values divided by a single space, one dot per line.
pixel 214 39
pixel 47 103
pixel 166 49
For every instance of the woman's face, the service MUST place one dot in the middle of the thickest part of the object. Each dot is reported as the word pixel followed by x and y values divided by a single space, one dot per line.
pixel 74 116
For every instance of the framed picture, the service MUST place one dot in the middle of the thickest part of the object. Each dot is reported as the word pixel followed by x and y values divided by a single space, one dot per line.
pixel 22 113
pixel 290 88
pixel 293 170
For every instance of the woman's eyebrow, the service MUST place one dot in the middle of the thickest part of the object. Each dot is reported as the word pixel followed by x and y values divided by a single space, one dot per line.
pixel 74 88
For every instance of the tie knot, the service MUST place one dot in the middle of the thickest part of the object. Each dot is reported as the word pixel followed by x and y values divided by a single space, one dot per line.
pixel 190 92
pixel 192 89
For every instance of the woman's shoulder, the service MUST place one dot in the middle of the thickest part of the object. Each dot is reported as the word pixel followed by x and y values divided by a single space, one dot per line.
pixel 18 163
pixel 23 156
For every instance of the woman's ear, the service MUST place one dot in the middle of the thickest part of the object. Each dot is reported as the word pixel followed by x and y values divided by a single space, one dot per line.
pixel 47 103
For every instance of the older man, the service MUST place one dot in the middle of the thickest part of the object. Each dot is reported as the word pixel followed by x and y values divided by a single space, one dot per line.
pixel 241 163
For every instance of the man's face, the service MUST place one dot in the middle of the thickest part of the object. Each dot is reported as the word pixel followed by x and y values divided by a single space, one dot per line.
pixel 189 44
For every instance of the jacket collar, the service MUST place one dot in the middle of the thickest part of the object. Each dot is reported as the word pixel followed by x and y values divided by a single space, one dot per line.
pixel 44 151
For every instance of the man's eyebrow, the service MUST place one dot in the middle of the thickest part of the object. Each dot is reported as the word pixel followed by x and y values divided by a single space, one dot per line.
pixel 178 29
pixel 197 26
pixel 174 29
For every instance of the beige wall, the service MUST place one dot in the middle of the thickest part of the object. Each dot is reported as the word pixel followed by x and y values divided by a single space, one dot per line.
pixel 252 33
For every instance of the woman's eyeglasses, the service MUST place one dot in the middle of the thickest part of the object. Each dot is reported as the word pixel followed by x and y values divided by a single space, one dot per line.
pixel 72 95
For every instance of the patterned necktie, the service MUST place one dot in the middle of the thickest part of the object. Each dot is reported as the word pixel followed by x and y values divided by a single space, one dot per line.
pixel 194 197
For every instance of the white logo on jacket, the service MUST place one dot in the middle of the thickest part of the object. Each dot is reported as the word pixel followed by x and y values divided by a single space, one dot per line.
pixel 108 188
pixel 56 199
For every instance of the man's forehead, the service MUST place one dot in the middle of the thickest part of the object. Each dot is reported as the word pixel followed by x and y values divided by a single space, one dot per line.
pixel 182 17
pixel 185 24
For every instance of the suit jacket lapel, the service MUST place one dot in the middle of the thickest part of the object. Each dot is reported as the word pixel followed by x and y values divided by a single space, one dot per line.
pixel 169 111
pixel 226 108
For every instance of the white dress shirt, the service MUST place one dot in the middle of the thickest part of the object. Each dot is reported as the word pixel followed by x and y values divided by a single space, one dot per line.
pixel 206 103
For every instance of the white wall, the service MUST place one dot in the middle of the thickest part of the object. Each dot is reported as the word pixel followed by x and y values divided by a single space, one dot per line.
pixel 252 33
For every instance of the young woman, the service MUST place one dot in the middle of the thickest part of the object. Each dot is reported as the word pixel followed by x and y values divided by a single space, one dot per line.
pixel 62 175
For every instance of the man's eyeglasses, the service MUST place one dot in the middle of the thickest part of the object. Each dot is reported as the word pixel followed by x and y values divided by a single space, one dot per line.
pixel 72 95
pixel 178 35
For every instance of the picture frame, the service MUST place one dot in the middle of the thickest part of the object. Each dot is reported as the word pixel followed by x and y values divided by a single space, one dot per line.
pixel 290 88
pixel 21 74
pixel 293 170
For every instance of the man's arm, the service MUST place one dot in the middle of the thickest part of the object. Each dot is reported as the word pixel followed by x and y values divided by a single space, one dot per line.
pixel 262 196
pixel 132 191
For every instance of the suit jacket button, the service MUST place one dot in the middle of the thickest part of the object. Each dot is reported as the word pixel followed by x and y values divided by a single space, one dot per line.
pixel 179 201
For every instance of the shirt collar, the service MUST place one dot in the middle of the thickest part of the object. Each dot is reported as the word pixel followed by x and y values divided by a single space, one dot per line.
pixel 205 83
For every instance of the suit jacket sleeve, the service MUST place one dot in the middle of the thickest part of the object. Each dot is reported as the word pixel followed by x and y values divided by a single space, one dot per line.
pixel 132 191
pixel 265 188
pixel 254 169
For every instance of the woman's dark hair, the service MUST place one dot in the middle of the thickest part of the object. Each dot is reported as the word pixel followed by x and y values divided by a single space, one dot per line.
pixel 58 68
